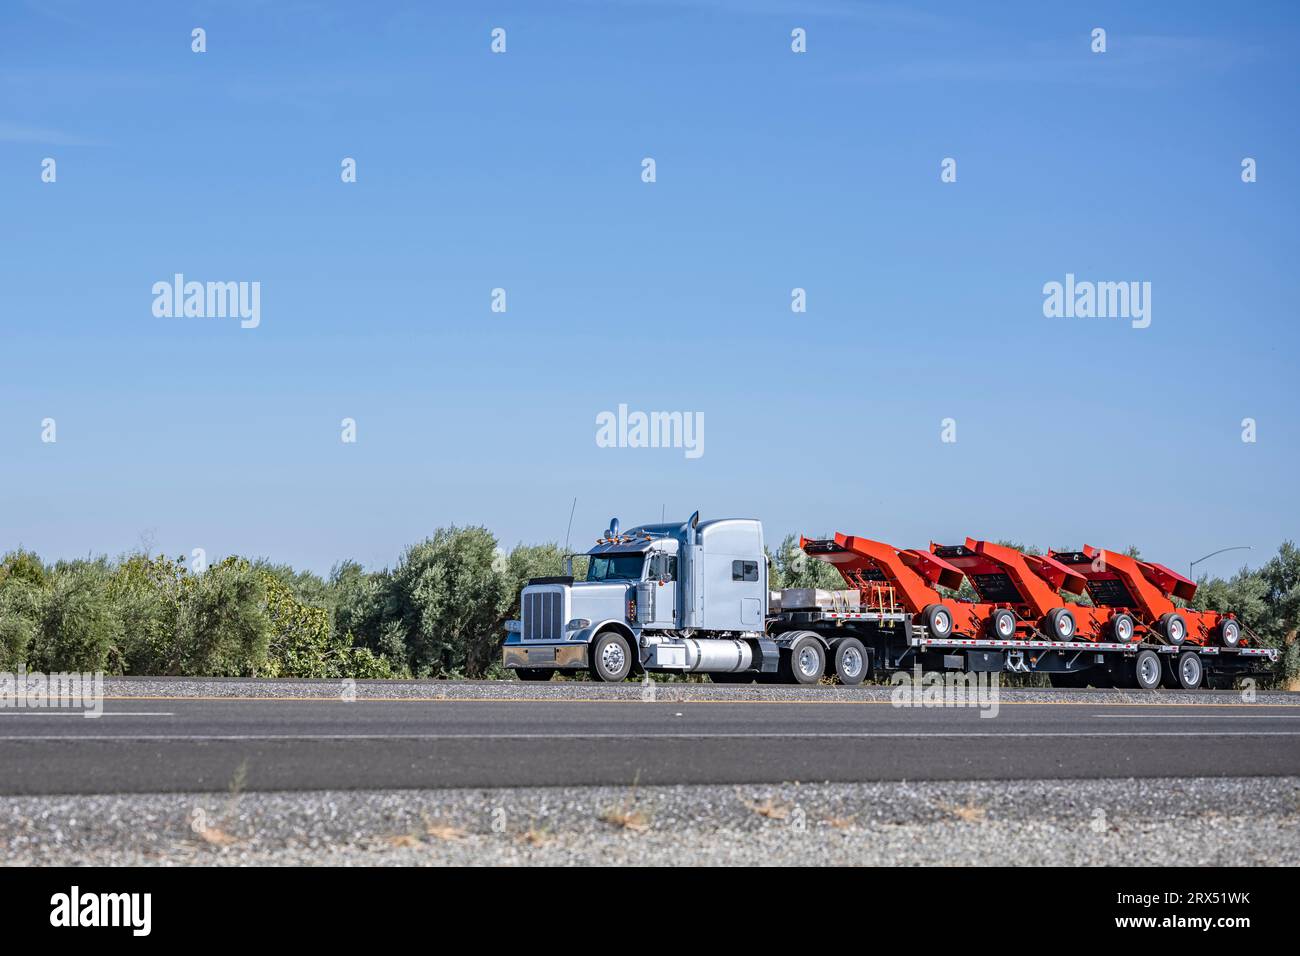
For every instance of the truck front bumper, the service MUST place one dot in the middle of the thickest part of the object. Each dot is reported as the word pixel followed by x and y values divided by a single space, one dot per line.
pixel 564 656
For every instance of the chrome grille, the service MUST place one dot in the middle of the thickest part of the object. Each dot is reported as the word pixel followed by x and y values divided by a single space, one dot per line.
pixel 542 611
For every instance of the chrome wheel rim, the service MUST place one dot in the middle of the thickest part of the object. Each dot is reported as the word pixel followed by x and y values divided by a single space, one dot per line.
pixel 851 662
pixel 1191 668
pixel 808 660
pixel 1149 670
pixel 612 658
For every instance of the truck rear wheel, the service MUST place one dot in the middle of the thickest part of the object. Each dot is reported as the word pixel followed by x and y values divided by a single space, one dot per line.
pixel 611 657
pixel 1190 670
pixel 804 662
pixel 534 673
pixel 1146 670
pixel 851 661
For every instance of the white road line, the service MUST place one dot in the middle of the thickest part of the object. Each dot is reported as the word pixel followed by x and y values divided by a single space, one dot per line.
pixel 1207 717
pixel 1010 734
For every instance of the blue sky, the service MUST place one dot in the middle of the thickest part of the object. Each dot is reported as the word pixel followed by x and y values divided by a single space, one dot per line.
pixel 522 171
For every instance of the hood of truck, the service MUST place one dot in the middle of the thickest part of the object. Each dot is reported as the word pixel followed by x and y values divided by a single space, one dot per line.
pixel 600 600
pixel 546 609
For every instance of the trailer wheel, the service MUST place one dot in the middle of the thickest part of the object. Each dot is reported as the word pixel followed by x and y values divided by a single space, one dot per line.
pixel 1190 670
pixel 1229 632
pixel 1173 627
pixel 851 661
pixel 1146 670
pixel 804 662
pixel 611 657
pixel 1060 624
pixel 1002 624
pixel 937 620
pixel 1123 628
pixel 534 673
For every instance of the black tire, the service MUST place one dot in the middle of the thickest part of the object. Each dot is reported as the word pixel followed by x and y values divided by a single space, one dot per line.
pixel 804 662
pixel 534 673
pixel 1147 670
pixel 1229 632
pixel 737 677
pixel 611 658
pixel 937 620
pixel 1002 625
pixel 1191 672
pixel 852 663
pixel 1173 628
pixel 1123 629
pixel 1060 624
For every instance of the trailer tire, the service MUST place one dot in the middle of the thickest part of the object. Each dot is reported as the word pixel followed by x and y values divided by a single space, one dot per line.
pixel 1060 624
pixel 852 663
pixel 1174 628
pixel 1191 672
pixel 1002 625
pixel 804 661
pixel 1229 632
pixel 1147 670
pixel 611 657
pixel 1123 628
pixel 937 620
pixel 535 673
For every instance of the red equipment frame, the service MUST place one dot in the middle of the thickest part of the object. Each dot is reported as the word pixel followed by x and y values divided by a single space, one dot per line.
pixel 1146 590
pixel 1029 584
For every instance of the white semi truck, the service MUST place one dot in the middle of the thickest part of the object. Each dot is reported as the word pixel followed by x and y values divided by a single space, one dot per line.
pixel 693 597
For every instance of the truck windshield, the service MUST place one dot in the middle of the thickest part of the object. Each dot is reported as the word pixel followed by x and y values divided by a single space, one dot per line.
pixel 615 567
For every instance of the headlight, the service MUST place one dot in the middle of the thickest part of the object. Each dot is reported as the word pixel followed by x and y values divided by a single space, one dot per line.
pixel 577 624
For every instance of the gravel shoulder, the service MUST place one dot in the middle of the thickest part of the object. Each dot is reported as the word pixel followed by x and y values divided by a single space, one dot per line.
pixel 1203 821
pixel 666 691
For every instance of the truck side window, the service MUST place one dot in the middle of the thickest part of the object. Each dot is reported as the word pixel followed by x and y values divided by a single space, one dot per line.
pixel 672 567
pixel 744 570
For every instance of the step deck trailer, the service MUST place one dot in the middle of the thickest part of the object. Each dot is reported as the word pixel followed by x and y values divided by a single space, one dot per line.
pixel 897 588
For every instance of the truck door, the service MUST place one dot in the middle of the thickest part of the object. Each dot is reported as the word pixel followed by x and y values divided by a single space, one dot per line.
pixel 663 571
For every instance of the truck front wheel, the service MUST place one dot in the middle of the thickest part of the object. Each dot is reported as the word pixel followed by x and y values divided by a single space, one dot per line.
pixel 611 657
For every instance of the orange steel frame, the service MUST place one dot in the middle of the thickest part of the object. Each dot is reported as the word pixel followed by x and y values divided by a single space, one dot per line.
pixel 1152 586
pixel 910 578
pixel 1038 580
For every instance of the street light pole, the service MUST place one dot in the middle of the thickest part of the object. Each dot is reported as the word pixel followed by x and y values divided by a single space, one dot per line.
pixel 1191 574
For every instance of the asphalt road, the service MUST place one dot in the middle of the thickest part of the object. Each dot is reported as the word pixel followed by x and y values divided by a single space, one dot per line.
pixel 215 744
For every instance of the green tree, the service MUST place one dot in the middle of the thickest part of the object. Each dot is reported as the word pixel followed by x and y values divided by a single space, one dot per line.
pixel 79 626
pixel 448 600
